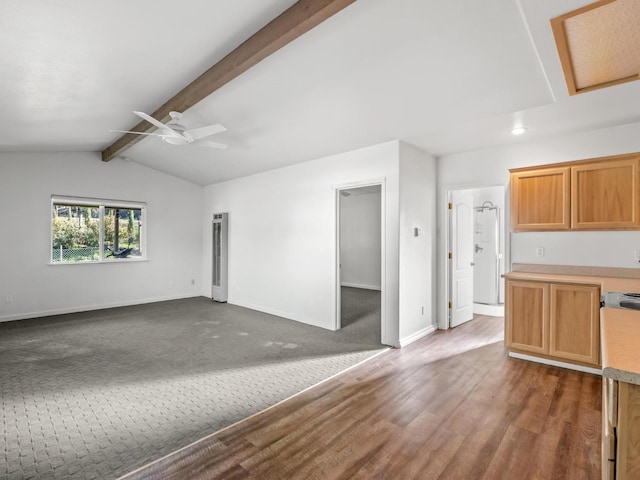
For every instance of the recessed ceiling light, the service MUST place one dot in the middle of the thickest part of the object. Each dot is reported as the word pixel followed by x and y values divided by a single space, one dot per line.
pixel 518 130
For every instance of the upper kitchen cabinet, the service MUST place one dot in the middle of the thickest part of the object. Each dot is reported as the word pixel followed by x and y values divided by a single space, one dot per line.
pixel 596 194
pixel 540 199
pixel 604 195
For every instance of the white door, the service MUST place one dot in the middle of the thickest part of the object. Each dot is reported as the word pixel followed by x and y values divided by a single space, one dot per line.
pixel 461 264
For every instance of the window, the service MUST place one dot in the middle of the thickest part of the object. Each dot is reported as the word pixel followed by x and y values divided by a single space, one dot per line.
pixel 92 230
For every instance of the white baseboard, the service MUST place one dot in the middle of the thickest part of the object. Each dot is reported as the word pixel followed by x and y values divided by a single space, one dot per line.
pixel 89 308
pixel 295 318
pixel 417 336
pixel 491 310
pixel 358 285
pixel 555 363
pixel 278 313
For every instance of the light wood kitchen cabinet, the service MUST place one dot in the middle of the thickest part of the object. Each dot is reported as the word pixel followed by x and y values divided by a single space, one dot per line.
pixel 554 320
pixel 540 199
pixel 595 194
pixel 621 430
pixel 574 322
pixel 604 195
pixel 527 316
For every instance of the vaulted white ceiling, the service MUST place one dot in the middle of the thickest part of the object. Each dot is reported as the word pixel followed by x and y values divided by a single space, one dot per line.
pixel 445 76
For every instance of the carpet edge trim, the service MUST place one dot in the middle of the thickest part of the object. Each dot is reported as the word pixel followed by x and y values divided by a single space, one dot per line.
pixel 386 349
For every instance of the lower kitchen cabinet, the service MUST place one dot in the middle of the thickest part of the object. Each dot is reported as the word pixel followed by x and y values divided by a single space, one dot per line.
pixel 621 430
pixel 554 320
pixel 527 316
pixel 574 322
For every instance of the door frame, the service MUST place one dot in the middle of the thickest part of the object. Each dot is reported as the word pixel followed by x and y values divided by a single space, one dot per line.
pixel 383 229
pixel 444 238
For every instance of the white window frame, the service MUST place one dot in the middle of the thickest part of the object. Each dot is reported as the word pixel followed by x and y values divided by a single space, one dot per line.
pixel 101 204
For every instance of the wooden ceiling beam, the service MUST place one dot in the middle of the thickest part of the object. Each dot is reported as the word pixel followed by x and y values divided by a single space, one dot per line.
pixel 286 27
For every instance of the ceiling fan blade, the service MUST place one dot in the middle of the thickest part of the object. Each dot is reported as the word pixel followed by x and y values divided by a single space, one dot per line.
pixel 150 119
pixel 138 133
pixel 160 125
pixel 202 132
pixel 210 144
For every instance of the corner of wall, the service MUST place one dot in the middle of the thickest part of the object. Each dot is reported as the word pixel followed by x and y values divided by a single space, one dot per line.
pixel 417 245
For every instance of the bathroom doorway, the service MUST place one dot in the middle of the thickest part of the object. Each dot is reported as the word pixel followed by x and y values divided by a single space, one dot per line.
pixel 488 251
pixel 481 247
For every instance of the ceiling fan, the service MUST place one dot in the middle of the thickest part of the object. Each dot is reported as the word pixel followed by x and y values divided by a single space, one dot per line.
pixel 175 133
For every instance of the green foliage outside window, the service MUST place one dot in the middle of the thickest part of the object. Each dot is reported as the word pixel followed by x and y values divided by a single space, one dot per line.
pixel 76 232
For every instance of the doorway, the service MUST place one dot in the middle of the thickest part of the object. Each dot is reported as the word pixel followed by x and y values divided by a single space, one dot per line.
pixel 476 245
pixel 360 280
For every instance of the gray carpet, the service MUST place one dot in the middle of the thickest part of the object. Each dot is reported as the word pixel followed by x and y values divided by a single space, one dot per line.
pixel 96 395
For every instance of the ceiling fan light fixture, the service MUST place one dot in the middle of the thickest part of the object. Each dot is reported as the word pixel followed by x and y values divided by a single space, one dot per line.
pixel 173 140
pixel 175 133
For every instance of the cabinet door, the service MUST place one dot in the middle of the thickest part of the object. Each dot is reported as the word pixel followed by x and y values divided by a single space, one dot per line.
pixel 540 199
pixel 604 195
pixel 608 432
pixel 628 432
pixel 574 323
pixel 527 316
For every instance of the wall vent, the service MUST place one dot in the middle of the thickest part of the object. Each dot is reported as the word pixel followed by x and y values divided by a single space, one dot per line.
pixel 220 255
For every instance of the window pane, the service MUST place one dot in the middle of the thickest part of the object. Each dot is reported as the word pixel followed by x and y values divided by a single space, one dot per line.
pixel 122 232
pixel 76 233
pixel 83 231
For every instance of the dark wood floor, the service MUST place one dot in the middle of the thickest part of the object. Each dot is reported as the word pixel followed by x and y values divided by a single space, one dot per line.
pixel 450 406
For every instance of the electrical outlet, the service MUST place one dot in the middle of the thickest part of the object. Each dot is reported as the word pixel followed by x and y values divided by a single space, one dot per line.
pixel 9 299
pixel 540 252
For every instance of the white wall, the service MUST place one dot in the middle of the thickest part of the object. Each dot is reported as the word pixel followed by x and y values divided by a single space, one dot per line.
pixel 174 240
pixel 417 254
pixel 360 244
pixel 491 167
pixel 283 240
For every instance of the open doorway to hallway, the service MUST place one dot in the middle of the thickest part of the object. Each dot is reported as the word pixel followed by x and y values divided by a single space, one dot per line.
pixel 476 229
pixel 359 282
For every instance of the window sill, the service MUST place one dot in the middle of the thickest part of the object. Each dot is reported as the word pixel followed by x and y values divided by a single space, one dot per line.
pixel 104 262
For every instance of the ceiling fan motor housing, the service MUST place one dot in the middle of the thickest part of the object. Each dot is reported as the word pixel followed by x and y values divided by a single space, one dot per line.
pixel 173 140
pixel 175 125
